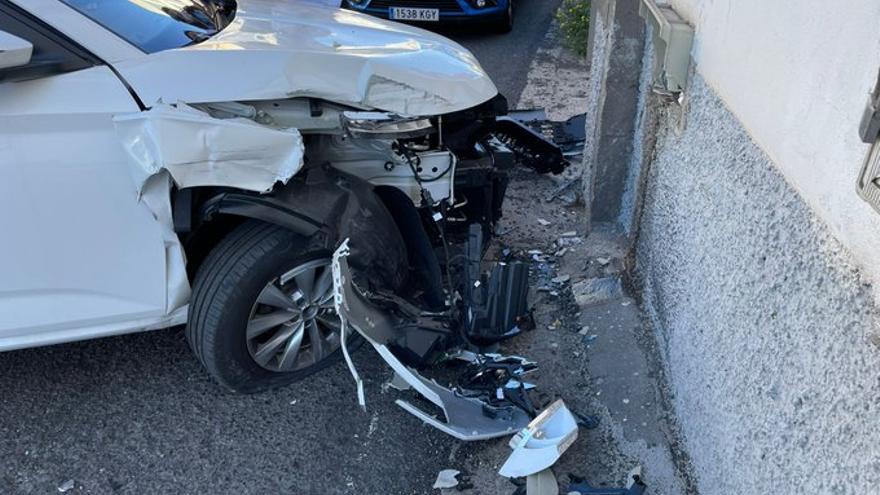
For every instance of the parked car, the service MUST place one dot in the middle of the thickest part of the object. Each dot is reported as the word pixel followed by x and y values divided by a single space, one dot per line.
pixel 168 162
pixel 498 14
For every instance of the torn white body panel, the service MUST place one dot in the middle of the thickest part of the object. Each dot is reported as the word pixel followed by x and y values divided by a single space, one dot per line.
pixel 199 150
pixel 276 50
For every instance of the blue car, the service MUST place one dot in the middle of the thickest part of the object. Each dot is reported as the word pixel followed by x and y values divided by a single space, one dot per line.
pixel 497 13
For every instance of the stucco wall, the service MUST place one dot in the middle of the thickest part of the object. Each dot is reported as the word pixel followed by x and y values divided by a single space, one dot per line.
pixel 764 325
pixel 797 75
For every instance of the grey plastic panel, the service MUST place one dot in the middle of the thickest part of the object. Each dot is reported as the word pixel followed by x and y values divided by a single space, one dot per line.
pixel 673 39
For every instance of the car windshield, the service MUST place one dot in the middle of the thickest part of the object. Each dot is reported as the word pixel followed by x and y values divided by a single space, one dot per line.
pixel 156 25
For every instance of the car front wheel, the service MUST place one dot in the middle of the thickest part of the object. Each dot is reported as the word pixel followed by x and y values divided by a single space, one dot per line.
pixel 262 313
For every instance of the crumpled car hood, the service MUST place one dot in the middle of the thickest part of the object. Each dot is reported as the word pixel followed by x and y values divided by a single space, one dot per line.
pixel 275 50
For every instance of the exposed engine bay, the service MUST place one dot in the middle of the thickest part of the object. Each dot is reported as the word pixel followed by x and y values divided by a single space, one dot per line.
pixel 408 206
pixel 456 178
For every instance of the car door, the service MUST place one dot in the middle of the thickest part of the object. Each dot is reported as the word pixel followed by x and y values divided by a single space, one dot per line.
pixel 82 255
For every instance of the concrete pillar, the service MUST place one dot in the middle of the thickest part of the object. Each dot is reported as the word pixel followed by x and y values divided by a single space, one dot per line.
pixel 615 48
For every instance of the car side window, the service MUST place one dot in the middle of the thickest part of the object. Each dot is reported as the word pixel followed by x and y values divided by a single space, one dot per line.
pixel 54 53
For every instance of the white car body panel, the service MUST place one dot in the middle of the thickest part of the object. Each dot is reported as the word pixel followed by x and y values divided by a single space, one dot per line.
pixel 86 173
pixel 277 50
pixel 199 150
pixel 84 256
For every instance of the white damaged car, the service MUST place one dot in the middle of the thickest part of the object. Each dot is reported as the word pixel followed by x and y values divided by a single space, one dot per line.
pixel 198 162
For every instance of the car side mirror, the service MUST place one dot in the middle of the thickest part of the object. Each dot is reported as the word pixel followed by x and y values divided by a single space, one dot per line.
pixel 14 51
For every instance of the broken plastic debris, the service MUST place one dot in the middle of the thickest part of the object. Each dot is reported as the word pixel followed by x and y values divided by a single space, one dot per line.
pixel 342 309
pixel 587 421
pixel 447 479
pixel 462 417
pixel 538 446
pixel 66 486
pixel 561 279
pixel 603 261
pixel 568 241
pixel 542 483
pixel 559 191
pixel 543 222
pixel 595 290
pixel 570 233
pixel 397 383
pixel 635 486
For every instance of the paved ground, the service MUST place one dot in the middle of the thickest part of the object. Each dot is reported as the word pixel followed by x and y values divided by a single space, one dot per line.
pixel 507 58
pixel 136 414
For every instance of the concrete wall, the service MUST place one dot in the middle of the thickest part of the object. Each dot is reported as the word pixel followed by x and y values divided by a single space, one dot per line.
pixel 752 250
pixel 764 325
pixel 615 49
pixel 797 76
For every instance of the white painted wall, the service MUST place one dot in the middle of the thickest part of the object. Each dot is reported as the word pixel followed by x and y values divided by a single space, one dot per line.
pixel 797 75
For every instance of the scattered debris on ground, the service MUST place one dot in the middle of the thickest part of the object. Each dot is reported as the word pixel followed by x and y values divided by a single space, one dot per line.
pixel 589 339
pixel 66 486
pixel 448 478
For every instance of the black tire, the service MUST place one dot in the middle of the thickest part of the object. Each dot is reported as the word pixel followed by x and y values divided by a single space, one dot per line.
pixel 225 292
pixel 504 23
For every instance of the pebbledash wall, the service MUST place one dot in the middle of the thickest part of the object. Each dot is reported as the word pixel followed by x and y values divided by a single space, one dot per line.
pixel 753 253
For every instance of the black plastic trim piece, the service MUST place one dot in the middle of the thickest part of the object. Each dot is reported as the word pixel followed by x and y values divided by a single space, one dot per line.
pixel 534 149
pixel 267 209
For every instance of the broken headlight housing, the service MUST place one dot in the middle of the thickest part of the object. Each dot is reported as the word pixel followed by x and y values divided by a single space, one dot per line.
pixel 385 125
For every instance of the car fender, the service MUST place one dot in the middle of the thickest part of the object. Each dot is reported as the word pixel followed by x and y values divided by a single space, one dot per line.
pixel 326 206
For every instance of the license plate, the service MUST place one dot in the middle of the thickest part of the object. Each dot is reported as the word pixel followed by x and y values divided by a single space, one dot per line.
pixel 412 14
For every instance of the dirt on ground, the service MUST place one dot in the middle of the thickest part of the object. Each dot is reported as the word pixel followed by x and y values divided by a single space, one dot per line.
pixel 591 344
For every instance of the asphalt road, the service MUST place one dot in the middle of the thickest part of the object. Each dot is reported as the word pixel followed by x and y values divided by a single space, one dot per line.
pixel 507 57
pixel 136 414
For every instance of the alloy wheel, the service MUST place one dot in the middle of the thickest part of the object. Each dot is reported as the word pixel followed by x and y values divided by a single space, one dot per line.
pixel 293 324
